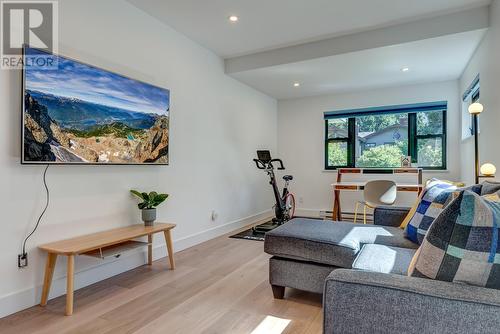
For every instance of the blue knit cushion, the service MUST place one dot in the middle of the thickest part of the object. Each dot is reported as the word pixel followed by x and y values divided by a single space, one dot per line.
pixel 437 195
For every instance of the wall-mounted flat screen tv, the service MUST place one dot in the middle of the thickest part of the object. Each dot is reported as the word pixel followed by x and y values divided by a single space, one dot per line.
pixel 76 113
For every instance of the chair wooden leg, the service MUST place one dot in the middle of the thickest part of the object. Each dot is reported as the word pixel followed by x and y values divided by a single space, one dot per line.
pixel 278 291
pixel 356 212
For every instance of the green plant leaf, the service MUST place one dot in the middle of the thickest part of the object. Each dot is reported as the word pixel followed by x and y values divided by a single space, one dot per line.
pixel 136 193
pixel 151 200
pixel 161 197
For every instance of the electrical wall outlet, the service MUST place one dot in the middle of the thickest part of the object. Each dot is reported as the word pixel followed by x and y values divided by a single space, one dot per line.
pixel 301 200
pixel 22 260
pixel 214 215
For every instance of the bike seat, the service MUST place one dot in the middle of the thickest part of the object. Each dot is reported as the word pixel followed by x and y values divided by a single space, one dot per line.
pixel 288 178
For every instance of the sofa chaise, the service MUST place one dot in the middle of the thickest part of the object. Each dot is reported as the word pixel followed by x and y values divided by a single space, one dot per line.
pixel 305 251
pixel 361 271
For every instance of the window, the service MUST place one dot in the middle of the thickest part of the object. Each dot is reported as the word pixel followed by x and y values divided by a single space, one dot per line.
pixel 430 138
pixel 380 137
pixel 388 138
pixel 337 144
pixel 471 95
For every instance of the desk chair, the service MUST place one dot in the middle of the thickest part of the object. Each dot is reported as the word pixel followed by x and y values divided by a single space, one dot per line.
pixel 377 192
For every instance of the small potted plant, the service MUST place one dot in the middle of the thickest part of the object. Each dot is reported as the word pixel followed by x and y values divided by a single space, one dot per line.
pixel 148 205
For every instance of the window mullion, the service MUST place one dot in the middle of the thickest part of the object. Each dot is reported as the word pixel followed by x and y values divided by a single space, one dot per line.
pixel 351 144
pixel 412 137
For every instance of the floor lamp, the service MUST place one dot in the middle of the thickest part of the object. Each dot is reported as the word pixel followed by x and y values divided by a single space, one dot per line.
pixel 475 109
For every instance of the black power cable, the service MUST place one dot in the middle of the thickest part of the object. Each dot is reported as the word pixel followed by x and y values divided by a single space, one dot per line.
pixel 47 196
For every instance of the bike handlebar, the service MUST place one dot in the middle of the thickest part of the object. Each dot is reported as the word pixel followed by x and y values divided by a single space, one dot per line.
pixel 263 165
pixel 259 164
pixel 278 160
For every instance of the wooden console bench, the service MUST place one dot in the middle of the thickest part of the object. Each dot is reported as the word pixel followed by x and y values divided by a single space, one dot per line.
pixel 104 244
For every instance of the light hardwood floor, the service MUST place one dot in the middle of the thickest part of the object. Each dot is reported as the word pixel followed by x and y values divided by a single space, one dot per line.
pixel 220 286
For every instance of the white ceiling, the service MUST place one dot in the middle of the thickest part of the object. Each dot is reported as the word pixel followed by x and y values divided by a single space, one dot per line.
pixel 436 59
pixel 268 24
pixel 434 38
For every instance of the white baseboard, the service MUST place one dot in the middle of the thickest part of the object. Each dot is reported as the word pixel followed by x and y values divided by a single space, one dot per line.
pixel 200 237
pixel 315 213
pixel 23 299
pixel 308 212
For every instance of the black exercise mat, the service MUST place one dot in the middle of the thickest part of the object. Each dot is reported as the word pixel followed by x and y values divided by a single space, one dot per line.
pixel 259 236
pixel 249 235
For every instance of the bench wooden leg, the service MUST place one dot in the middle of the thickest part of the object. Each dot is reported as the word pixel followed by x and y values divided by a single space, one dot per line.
pixel 47 280
pixel 170 248
pixel 278 291
pixel 69 284
pixel 150 249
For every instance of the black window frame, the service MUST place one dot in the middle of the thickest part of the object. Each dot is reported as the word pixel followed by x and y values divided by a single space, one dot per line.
pixel 413 136
pixel 351 142
pixel 472 95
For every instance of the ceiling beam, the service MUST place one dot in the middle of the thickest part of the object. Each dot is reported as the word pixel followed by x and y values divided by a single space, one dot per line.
pixel 467 20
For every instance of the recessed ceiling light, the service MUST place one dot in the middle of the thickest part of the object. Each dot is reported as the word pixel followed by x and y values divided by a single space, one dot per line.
pixel 296 84
pixel 405 69
pixel 233 18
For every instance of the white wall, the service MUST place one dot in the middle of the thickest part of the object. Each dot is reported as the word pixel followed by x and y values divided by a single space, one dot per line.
pixel 217 124
pixel 486 63
pixel 301 138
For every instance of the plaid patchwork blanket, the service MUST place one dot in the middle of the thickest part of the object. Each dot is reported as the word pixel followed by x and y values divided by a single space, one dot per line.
pixel 462 245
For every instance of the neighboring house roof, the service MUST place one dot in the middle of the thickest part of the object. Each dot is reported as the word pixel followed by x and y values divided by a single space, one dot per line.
pixel 365 133
pixel 387 129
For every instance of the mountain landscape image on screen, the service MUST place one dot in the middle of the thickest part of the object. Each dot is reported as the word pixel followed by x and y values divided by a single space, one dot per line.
pixel 82 114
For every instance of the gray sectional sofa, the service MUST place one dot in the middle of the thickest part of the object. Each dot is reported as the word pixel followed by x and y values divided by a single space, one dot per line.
pixel 361 271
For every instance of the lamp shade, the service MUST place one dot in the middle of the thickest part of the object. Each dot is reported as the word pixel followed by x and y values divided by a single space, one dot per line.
pixel 488 169
pixel 476 108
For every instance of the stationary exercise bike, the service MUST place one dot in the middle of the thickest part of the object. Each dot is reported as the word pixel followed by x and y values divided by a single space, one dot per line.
pixel 284 209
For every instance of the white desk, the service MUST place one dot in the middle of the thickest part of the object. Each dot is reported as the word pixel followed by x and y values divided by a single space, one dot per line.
pixel 360 185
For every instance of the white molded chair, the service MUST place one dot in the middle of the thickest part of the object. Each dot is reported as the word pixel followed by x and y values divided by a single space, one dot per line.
pixel 377 192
